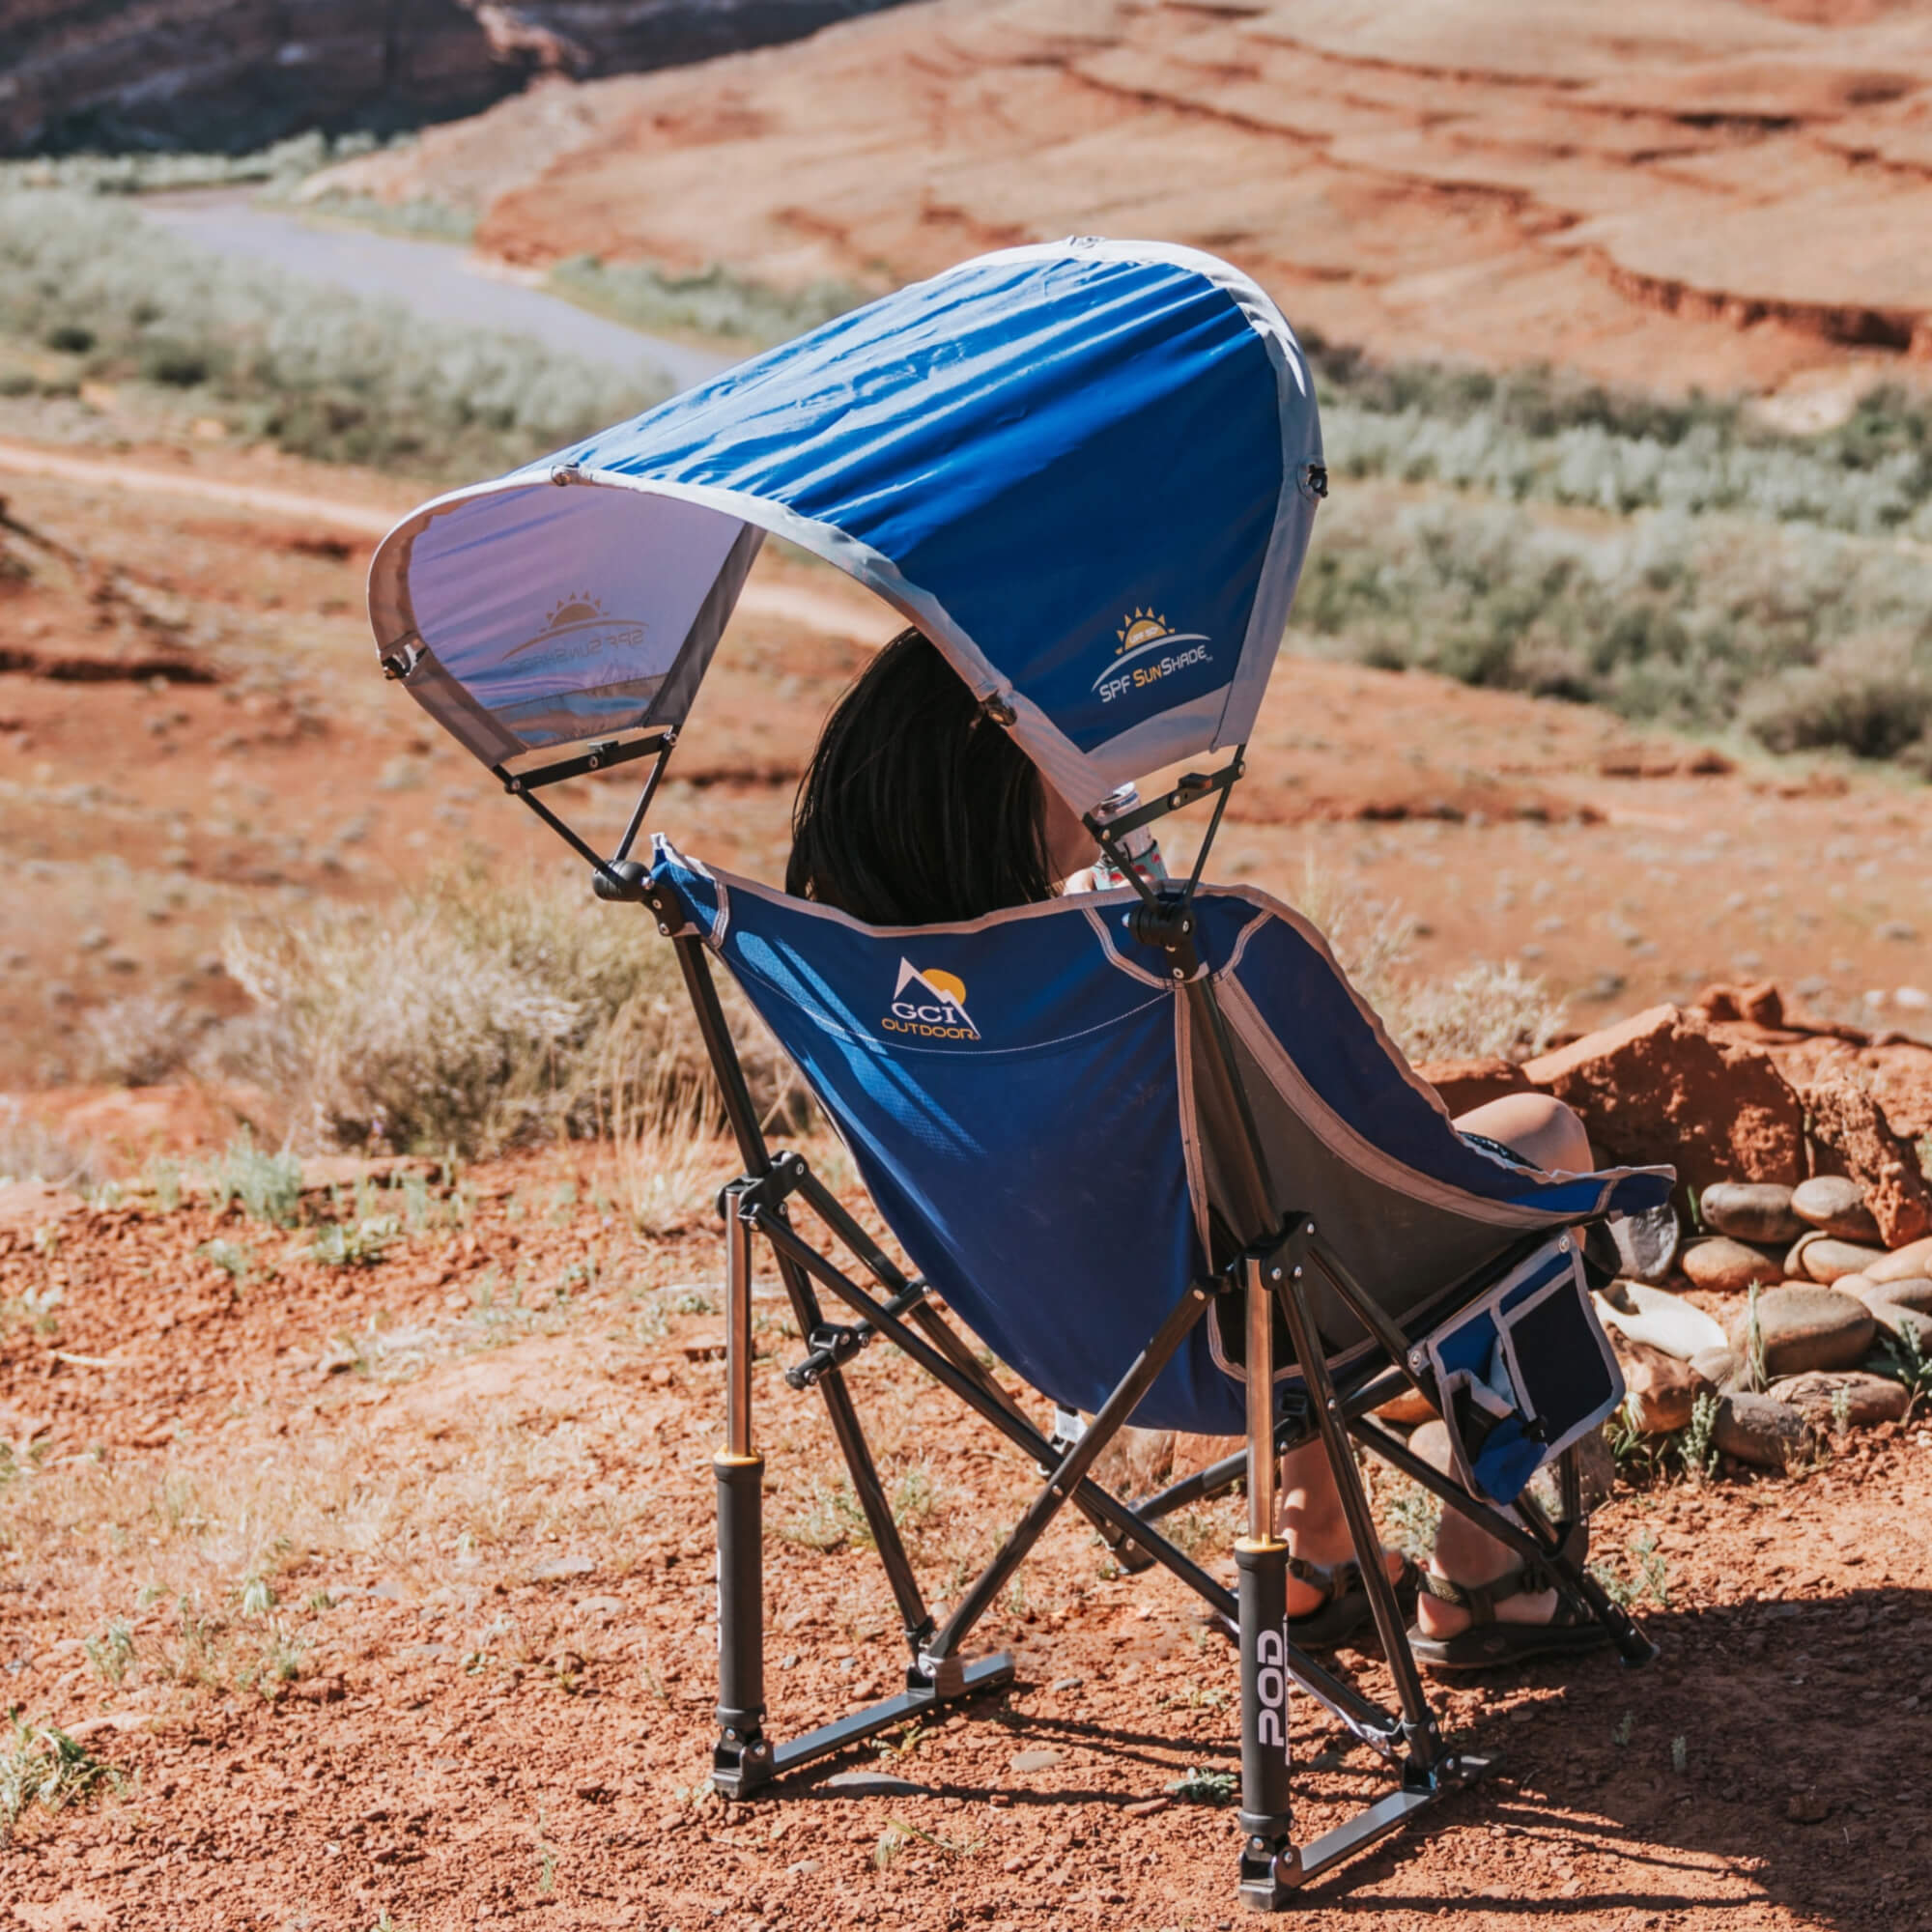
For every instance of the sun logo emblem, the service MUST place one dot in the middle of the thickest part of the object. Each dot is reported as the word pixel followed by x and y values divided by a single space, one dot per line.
pixel 1149 651
pixel 577 629
pixel 578 608
pixel 1141 629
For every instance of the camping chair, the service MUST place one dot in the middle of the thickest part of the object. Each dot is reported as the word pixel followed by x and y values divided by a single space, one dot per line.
pixel 1145 1145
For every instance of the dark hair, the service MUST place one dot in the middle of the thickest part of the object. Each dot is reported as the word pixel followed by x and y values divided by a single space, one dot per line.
pixel 917 809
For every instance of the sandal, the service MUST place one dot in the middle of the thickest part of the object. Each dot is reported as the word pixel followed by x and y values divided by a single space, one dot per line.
pixel 1486 1643
pixel 1344 1610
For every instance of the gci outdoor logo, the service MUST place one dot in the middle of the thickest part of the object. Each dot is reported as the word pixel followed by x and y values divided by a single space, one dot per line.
pixel 1149 651
pixel 576 628
pixel 929 1005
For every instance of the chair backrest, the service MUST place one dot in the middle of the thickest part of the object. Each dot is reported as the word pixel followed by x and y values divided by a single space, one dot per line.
pixel 1016 1094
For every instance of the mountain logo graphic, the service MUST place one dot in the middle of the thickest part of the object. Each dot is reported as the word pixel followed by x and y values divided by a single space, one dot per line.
pixel 929 1004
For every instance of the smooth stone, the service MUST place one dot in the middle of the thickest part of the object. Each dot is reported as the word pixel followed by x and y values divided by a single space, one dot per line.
pixel 1663 1319
pixel 1662 1390
pixel 1767 1433
pixel 1905 1264
pixel 1406 1410
pixel 1837 1205
pixel 1647 1244
pixel 1915 1293
pixel 1866 1399
pixel 1033 1760
pixel 873 1784
pixel 1821 1257
pixel 1897 1322
pixel 1723 1367
pixel 1725 1267
pixel 557 1569
pixel 1751 1211
pixel 1805 1327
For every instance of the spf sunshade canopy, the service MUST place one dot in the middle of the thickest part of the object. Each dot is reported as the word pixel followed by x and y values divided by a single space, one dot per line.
pixel 1086 471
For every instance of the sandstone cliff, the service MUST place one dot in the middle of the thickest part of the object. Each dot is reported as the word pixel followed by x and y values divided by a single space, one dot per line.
pixel 234 74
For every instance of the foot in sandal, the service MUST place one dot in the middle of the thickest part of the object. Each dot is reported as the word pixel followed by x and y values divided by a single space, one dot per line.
pixel 1478 1626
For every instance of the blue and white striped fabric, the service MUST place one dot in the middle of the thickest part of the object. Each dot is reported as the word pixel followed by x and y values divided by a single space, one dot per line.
pixel 1016 1093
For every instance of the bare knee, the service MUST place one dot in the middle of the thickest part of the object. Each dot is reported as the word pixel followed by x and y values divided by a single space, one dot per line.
pixel 1539 1127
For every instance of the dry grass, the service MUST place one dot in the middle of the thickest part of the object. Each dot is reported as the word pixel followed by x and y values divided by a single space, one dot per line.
pixel 1488 1008
pixel 31 1151
pixel 477 1016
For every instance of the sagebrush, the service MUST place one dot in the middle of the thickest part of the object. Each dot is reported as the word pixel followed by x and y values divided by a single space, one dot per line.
pixel 318 371
pixel 475 1015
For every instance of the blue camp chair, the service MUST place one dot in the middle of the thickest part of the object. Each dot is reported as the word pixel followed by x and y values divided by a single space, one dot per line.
pixel 1146 1145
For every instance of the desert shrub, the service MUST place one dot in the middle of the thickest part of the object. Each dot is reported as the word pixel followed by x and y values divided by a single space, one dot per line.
pixel 145 172
pixel 476 1016
pixel 713 301
pixel 421 219
pixel 1537 435
pixel 1666 616
pixel 1869 697
pixel 31 1151
pixel 1486 1010
pixel 320 372
pixel 139 1040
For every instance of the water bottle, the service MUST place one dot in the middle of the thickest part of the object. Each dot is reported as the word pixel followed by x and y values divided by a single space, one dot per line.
pixel 1142 849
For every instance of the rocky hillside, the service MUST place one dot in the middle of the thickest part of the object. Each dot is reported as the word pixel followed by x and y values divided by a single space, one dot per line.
pixel 234 74
pixel 1666 192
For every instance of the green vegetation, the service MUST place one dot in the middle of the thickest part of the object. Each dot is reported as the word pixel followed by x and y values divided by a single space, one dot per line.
pixel 712 302
pixel 40 1765
pixel 144 172
pixel 1706 570
pixel 102 296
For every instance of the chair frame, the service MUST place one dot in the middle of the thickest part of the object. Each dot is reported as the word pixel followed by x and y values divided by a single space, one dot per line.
pixel 1273 1271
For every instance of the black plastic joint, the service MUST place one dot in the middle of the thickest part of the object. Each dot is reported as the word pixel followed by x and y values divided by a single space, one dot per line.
pixel 1167 922
pixel 834 1344
pixel 741 1765
pixel 621 881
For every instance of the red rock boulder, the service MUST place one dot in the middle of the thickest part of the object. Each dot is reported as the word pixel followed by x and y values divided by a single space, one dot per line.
pixel 1472 1083
pixel 1853 1137
pixel 1664 1088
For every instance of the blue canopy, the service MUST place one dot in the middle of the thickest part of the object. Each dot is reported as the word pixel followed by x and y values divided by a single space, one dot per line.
pixel 1086 469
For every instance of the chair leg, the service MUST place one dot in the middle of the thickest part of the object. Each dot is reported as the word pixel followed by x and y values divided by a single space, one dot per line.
pixel 741 1759
pixel 1269 1866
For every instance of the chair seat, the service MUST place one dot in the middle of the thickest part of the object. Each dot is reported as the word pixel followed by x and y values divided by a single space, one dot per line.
pixel 1016 1094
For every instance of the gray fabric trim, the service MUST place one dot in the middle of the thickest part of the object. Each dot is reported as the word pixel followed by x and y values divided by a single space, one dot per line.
pixel 1190 1138
pixel 482 735
pixel 676 694
pixel 1345 1144
pixel 1122 896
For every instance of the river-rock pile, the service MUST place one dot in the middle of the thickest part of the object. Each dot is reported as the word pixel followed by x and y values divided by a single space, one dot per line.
pixel 1791 1280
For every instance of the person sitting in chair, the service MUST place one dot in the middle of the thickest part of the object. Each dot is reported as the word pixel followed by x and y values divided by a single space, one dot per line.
pixel 917 809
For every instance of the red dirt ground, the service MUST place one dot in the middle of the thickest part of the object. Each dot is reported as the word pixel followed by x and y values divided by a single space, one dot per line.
pixel 474 1476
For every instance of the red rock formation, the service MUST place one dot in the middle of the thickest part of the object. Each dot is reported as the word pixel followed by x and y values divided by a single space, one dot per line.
pixel 1664 1087
pixel 234 74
